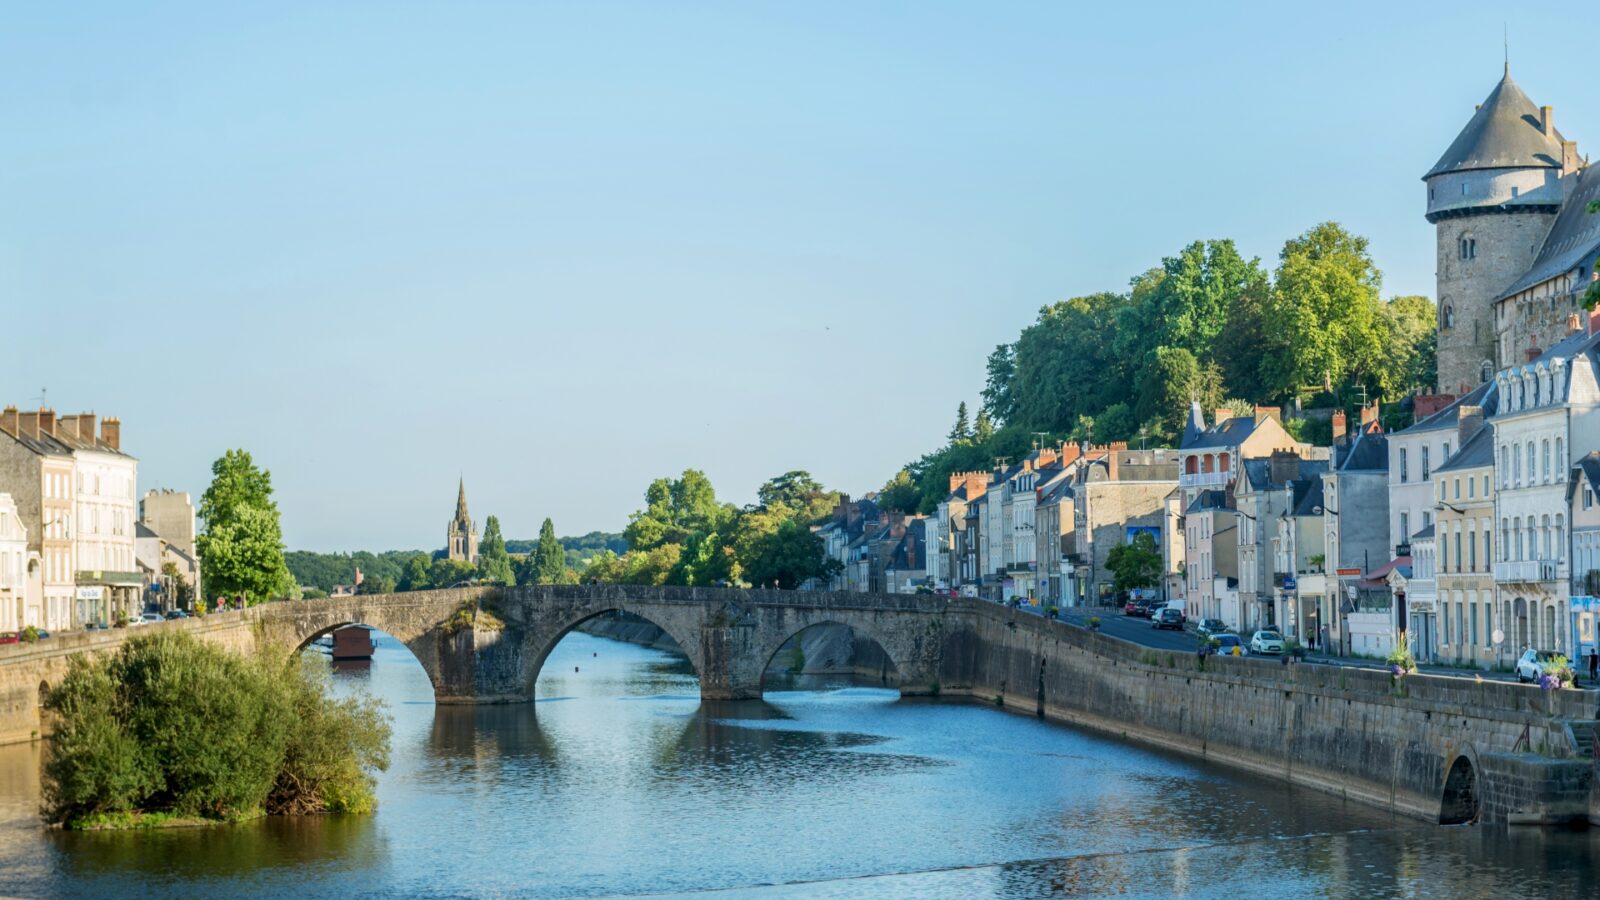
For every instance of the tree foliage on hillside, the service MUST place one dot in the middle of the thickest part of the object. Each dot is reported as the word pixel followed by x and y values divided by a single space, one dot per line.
pixel 685 536
pixel 1206 324
pixel 494 563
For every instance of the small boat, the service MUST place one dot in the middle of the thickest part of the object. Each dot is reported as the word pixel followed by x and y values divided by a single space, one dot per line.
pixel 352 642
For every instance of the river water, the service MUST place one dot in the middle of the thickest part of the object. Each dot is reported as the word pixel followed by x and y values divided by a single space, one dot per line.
pixel 620 781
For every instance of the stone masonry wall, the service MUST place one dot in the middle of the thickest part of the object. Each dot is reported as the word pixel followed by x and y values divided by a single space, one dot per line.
pixel 1345 731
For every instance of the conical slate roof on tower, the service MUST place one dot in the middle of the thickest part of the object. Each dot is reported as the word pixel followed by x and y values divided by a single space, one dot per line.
pixel 1508 131
pixel 461 502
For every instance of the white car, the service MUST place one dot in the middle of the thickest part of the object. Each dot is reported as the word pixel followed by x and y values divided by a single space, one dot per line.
pixel 1266 642
pixel 1531 665
pixel 147 619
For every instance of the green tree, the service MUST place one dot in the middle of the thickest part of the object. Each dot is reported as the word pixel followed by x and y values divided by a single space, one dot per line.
pixel 674 510
pixel 961 432
pixel 414 577
pixel 790 555
pixel 983 427
pixel 1136 564
pixel 1410 358
pixel 901 493
pixel 547 564
pixel 1322 320
pixel 1201 286
pixel 241 550
pixel 494 563
pixel 376 584
pixel 445 573
pixel 799 494
pixel 1065 367
pixel 1169 385
pixel 997 397
pixel 183 591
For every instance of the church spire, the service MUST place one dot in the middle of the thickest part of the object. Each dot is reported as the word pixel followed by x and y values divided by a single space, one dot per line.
pixel 461 501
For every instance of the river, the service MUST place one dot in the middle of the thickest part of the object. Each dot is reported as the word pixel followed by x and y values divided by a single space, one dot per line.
pixel 620 781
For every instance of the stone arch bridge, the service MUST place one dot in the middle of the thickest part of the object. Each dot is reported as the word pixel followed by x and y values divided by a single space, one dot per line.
pixel 487 644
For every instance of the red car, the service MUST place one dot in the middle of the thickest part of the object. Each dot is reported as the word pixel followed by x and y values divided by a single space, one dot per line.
pixel 1131 608
pixel 10 637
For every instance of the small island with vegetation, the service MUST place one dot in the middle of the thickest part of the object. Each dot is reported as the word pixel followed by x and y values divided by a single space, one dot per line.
pixel 172 731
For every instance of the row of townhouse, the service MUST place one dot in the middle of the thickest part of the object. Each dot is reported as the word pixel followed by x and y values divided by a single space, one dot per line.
pixel 1471 535
pixel 74 545
pixel 1040 530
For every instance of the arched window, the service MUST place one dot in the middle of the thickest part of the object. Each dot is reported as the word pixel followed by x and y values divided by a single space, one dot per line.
pixel 1561 462
pixel 1205 464
pixel 1516 529
pixel 1222 463
pixel 1544 461
pixel 1447 317
pixel 1505 466
pixel 1516 465
pixel 1533 476
pixel 1505 541
pixel 1560 539
pixel 1190 465
pixel 1485 372
pixel 1544 538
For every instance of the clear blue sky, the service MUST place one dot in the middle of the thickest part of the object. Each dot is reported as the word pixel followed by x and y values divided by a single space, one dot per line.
pixel 564 249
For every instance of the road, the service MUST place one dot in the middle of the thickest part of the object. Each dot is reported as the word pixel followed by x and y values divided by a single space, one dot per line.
pixel 1138 631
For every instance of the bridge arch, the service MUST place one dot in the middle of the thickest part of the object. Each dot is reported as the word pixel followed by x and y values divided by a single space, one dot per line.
pixel 1461 800
pixel 889 673
pixel 541 642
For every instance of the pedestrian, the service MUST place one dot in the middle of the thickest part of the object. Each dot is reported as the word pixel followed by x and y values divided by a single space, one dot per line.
pixel 1594 664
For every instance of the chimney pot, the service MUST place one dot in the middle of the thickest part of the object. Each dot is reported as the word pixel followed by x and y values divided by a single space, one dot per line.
pixel 111 432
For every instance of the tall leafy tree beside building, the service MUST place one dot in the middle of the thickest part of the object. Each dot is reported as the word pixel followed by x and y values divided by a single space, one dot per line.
pixel 1323 320
pixel 241 549
pixel 494 563
pixel 547 564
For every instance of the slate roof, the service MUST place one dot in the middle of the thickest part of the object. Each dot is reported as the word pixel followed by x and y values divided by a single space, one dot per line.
pixel 1590 464
pixel 1424 534
pixel 1477 452
pixel 1259 471
pixel 1231 433
pixel 1208 500
pixel 1504 133
pixel 1369 452
pixel 1449 418
pixel 1574 239
pixel 1574 345
pixel 1308 497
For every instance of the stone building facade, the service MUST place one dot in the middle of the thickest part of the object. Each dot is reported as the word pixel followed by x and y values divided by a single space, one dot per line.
pixel 1516 246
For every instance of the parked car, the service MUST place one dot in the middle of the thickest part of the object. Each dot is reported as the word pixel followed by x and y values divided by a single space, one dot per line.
pixel 147 619
pixel 1147 608
pixel 1167 618
pixel 1266 642
pixel 9 637
pixel 1211 627
pixel 1227 643
pixel 1131 608
pixel 177 614
pixel 1531 665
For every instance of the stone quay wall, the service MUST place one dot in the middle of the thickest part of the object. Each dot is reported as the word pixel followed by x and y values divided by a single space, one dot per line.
pixel 1347 731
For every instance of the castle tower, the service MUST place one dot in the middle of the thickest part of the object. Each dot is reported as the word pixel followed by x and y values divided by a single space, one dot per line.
pixel 1492 198
pixel 462 533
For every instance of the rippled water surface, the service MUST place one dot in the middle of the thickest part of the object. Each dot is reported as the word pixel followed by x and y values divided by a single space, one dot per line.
pixel 620 781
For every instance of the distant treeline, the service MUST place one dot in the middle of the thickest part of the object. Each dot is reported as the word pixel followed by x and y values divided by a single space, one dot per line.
pixel 324 570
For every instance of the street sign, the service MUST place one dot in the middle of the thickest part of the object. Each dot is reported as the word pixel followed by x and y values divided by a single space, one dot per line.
pixel 1499 637
pixel 1347 573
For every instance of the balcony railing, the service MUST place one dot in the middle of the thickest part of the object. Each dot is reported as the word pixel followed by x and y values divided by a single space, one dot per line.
pixel 1527 571
pixel 1203 479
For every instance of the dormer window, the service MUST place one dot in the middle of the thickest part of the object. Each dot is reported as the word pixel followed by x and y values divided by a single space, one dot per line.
pixel 1514 191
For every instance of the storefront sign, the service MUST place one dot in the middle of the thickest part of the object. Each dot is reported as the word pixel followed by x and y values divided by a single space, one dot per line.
pixel 91 593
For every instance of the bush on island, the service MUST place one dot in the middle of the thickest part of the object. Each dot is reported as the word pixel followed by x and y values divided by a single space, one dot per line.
pixel 172 729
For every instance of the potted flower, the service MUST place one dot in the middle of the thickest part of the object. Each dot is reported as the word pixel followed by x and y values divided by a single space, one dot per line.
pixel 1556 674
pixel 1094 623
pixel 1401 662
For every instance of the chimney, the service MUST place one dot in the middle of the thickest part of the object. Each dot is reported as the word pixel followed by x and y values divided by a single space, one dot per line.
pixel 38 423
pixel 1340 425
pixel 1575 323
pixel 1533 348
pixel 1223 415
pixel 1369 414
pixel 8 420
pixel 1112 458
pixel 111 432
pixel 1070 453
pixel 1283 466
pixel 1547 120
pixel 82 426
pixel 1469 420
pixel 1268 412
